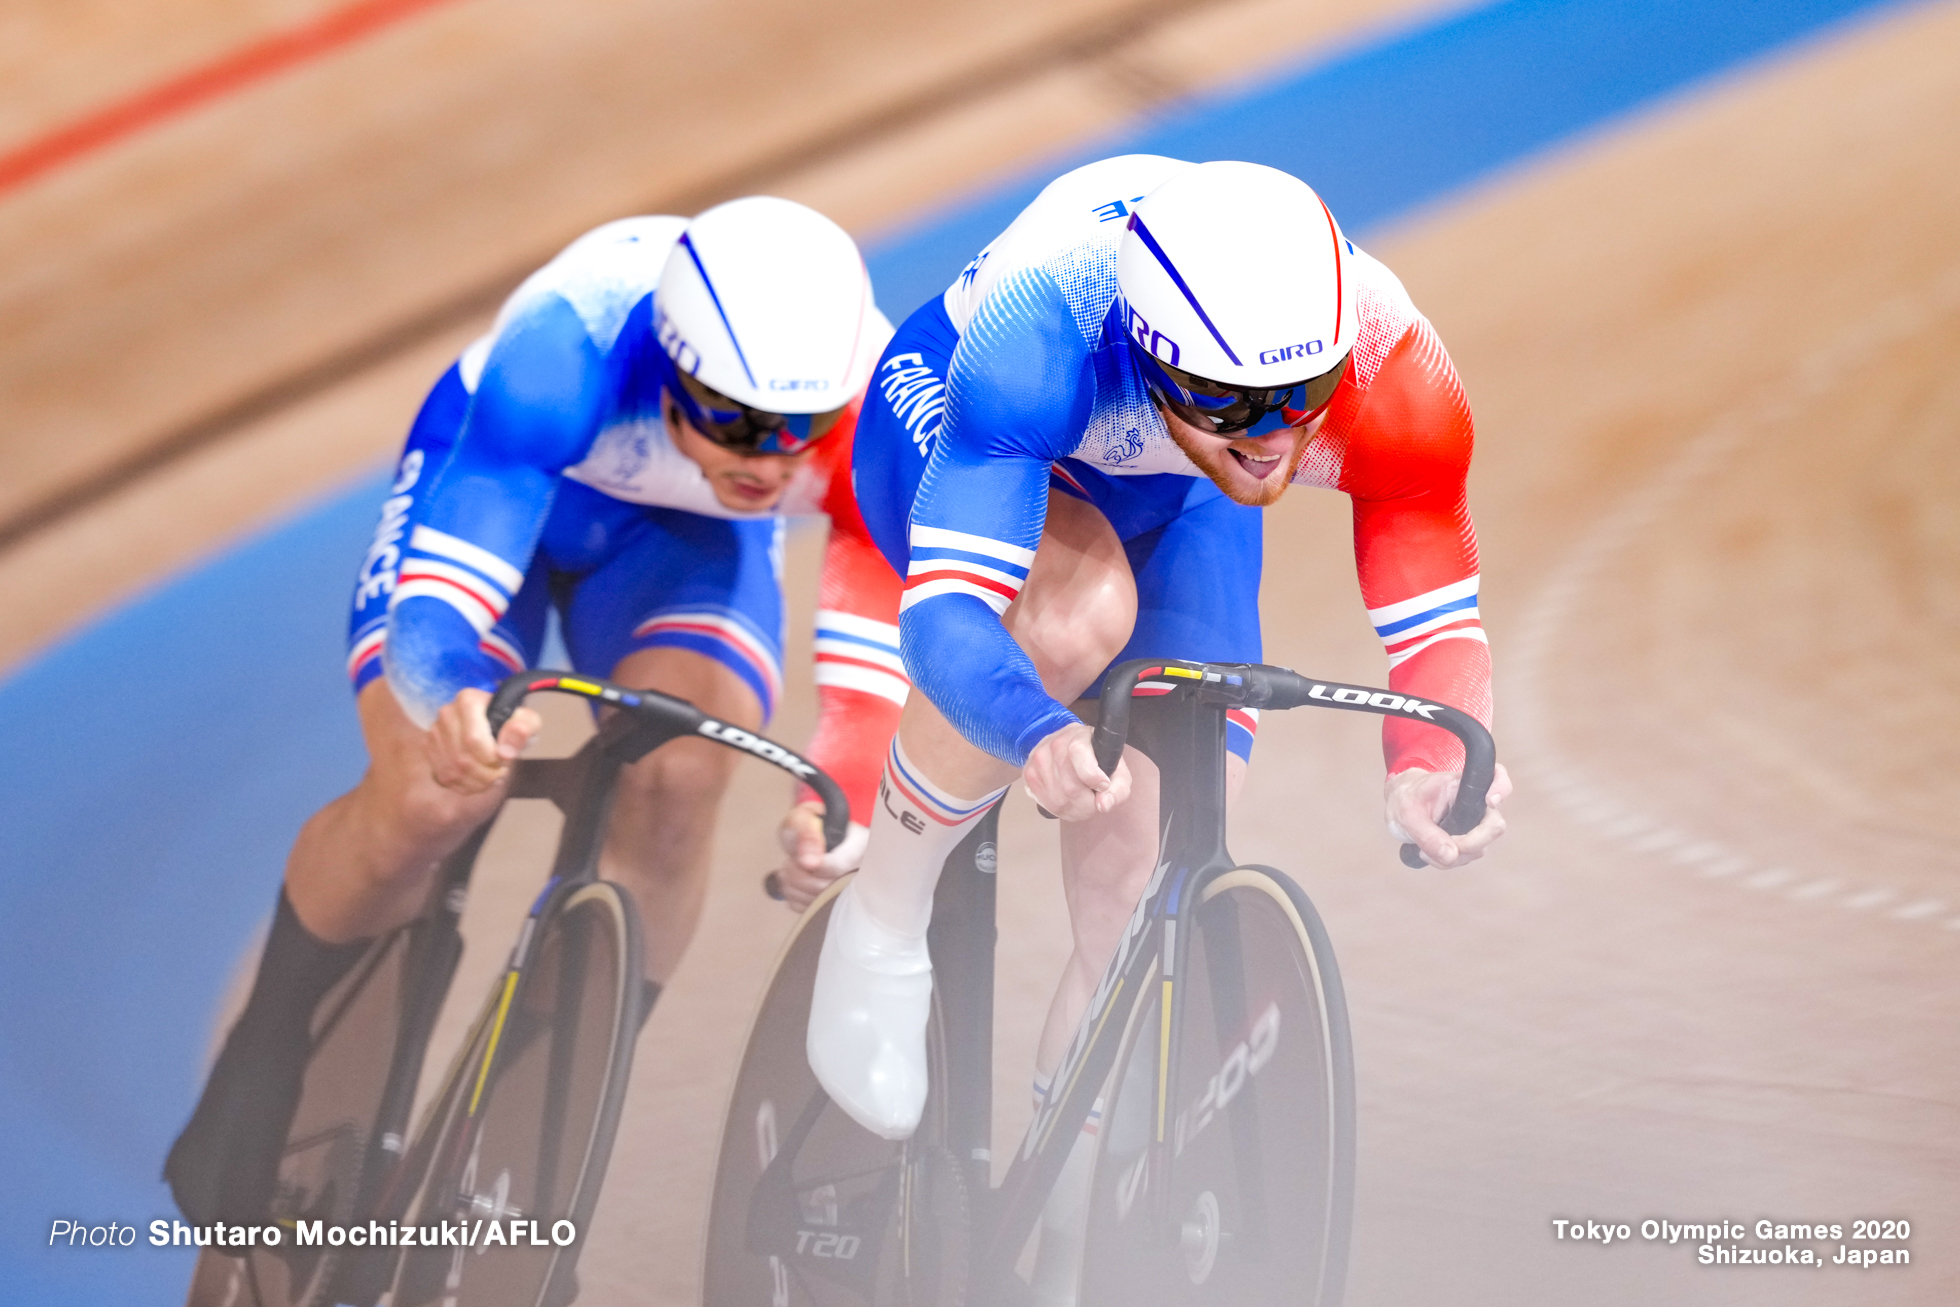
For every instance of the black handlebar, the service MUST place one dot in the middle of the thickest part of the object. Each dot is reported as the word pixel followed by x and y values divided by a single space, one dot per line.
pixel 667 718
pixel 1250 685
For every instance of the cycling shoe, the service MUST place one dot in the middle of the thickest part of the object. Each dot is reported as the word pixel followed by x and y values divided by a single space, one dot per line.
pixel 867 1034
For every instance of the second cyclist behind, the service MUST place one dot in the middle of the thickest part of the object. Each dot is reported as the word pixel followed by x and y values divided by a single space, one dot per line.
pixel 623 447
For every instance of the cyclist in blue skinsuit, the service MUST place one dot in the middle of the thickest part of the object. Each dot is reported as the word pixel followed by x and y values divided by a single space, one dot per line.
pixel 1067 455
pixel 621 448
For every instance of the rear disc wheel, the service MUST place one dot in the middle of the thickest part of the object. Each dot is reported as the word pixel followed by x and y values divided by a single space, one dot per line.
pixel 809 1208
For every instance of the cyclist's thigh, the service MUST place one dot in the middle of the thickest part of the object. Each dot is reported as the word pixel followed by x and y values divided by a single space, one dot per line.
pixel 695 585
pixel 1196 557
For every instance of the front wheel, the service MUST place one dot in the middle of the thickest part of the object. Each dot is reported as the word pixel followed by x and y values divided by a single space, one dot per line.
pixel 527 1122
pixel 1226 1170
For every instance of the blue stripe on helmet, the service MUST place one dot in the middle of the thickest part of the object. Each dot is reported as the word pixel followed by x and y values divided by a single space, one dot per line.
pixel 729 327
pixel 1150 243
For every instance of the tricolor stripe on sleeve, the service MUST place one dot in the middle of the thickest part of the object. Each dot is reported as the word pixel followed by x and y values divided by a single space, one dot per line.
pixel 367 648
pixel 953 562
pixel 503 650
pixel 1447 613
pixel 857 653
pixel 467 577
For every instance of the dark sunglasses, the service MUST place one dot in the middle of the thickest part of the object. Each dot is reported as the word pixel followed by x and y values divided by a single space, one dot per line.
pixel 1228 410
pixel 736 427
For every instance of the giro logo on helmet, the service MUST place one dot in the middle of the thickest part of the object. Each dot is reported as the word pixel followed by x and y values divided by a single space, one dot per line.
pixel 1286 352
pixel 685 356
pixel 1151 340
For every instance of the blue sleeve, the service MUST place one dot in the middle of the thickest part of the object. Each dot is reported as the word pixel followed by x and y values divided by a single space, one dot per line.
pixel 1019 393
pixel 536 410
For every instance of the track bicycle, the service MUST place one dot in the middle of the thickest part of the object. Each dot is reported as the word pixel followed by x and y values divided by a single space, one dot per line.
pixel 1217 1044
pixel 520 1130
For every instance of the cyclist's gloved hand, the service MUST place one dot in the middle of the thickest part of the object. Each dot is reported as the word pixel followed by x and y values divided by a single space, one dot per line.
pixel 1062 776
pixel 807 868
pixel 1417 800
pixel 461 754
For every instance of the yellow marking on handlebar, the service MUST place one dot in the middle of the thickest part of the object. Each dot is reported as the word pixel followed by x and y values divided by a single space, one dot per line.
pixel 1185 672
pixel 574 684
pixel 496 1033
pixel 1163 1060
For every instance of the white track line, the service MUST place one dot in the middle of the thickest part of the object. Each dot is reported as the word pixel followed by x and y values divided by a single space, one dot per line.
pixel 1535 644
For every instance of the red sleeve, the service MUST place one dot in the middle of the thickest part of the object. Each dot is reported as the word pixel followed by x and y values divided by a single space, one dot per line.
pixel 861 682
pixel 1409 439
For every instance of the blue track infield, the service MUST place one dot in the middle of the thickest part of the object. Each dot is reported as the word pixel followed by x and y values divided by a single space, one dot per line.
pixel 178 743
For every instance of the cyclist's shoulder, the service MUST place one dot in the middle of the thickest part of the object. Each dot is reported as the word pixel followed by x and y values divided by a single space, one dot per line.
pixel 604 273
pixel 1397 352
pixel 1386 310
pixel 1065 238
pixel 588 290
pixel 1400 425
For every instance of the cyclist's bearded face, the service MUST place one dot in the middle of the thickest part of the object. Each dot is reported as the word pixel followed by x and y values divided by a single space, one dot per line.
pixel 1253 470
pixel 746 482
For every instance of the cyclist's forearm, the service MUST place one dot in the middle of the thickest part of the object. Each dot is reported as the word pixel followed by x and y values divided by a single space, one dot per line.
pixel 854 728
pixel 432 653
pixel 966 663
pixel 1454 672
pixel 450 593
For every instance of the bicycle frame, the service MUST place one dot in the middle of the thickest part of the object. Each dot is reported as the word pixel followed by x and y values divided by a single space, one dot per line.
pixel 1188 746
pixel 582 787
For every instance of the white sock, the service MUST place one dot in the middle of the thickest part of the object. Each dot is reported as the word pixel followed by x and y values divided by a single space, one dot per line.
pixel 1064 1217
pixel 914 829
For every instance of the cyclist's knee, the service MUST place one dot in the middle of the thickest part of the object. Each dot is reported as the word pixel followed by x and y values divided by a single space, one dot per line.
pixel 1070 643
pixel 682 777
pixel 682 781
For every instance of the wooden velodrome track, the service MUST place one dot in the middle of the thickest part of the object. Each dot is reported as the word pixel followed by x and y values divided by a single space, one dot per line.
pixel 1710 348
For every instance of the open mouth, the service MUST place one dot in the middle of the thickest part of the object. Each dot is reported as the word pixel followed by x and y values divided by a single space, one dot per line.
pixel 1257 466
pixel 750 491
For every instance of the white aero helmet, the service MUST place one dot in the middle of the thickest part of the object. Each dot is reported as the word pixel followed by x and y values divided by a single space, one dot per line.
pixel 765 313
pixel 1238 297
